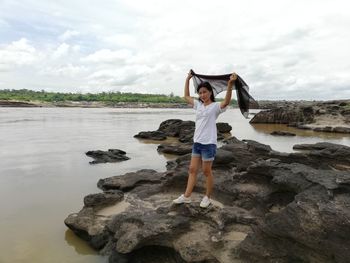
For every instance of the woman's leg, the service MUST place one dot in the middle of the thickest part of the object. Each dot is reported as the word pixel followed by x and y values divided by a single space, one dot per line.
pixel 206 167
pixel 192 175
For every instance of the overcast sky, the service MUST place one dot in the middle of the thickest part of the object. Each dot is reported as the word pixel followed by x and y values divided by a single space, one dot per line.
pixel 283 49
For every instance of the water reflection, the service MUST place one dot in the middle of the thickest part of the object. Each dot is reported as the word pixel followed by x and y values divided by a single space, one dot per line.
pixel 268 128
pixel 80 246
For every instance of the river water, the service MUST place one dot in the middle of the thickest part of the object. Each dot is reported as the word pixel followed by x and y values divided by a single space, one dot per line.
pixel 44 172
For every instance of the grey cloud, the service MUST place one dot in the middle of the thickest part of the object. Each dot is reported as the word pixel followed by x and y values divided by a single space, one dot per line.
pixel 280 41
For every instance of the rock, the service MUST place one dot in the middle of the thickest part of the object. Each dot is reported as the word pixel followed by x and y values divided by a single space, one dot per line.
pixel 103 199
pixel 11 103
pixel 303 127
pixel 323 129
pixel 267 205
pixel 220 136
pixel 341 129
pixel 130 180
pixel 151 135
pixel 90 227
pixel 223 127
pixel 186 133
pixel 327 152
pixel 328 116
pixel 112 155
pixel 257 146
pixel 313 216
pixel 279 115
pixel 231 140
pixel 178 149
pixel 345 112
pixel 282 133
pixel 170 127
pixel 144 228
pixel 223 157
pixel 154 254
pixel 321 111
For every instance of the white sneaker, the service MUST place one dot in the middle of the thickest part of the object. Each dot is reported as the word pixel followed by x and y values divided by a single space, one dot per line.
pixel 205 202
pixel 182 199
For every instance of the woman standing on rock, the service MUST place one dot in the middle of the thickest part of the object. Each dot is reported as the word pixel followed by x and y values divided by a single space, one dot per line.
pixel 205 136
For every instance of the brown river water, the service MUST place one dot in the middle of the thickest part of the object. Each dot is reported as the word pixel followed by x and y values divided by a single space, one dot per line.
pixel 44 172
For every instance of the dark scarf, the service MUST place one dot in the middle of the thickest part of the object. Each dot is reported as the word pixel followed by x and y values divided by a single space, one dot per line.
pixel 219 84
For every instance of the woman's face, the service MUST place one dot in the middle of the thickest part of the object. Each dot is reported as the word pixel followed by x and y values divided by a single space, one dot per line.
pixel 204 94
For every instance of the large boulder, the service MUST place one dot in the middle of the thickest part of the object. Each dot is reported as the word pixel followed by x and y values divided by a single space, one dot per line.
pixel 329 116
pixel 170 127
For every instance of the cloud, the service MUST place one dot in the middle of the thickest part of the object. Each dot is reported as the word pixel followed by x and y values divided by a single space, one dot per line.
pixel 18 53
pixel 119 77
pixel 68 70
pixel 108 56
pixel 283 49
pixel 121 40
pixel 3 23
pixel 68 35
pixel 61 51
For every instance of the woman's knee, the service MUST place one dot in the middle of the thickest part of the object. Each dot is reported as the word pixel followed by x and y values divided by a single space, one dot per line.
pixel 192 170
pixel 207 172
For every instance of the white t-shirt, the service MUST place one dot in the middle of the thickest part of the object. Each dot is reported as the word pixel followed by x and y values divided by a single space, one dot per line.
pixel 206 116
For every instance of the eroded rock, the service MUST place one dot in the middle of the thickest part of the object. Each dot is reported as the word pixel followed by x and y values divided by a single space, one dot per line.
pixel 110 156
pixel 329 116
pixel 267 207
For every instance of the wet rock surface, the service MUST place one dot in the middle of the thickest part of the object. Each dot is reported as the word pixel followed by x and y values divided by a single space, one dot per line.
pixel 151 135
pixel 329 116
pixel 175 148
pixel 267 206
pixel 282 133
pixel 110 156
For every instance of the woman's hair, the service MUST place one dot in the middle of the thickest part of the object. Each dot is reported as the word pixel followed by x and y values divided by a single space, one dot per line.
pixel 206 85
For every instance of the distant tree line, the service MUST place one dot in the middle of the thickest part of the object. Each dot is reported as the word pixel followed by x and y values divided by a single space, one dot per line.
pixel 107 97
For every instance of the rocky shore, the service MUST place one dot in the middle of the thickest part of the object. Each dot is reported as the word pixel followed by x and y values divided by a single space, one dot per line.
pixel 7 103
pixel 268 206
pixel 330 116
pixel 92 104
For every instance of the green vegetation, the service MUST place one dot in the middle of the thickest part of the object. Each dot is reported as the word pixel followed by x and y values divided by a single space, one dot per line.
pixel 105 97
pixel 115 97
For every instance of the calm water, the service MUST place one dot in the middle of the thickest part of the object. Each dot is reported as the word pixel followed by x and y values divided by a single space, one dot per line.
pixel 44 173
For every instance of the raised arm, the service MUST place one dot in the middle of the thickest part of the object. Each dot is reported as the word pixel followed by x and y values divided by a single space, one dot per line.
pixel 187 96
pixel 228 96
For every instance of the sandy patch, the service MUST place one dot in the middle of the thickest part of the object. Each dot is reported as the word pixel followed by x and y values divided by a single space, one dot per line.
pixel 115 209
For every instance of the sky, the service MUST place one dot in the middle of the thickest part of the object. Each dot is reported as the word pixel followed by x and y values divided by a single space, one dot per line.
pixel 283 49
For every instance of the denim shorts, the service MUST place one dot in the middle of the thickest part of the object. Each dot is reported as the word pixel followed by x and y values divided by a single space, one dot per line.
pixel 206 151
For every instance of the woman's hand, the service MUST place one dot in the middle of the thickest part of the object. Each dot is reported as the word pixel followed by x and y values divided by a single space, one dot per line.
pixel 233 78
pixel 189 75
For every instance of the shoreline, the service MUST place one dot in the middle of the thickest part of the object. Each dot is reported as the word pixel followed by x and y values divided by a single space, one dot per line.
pixel 263 104
pixel 86 104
